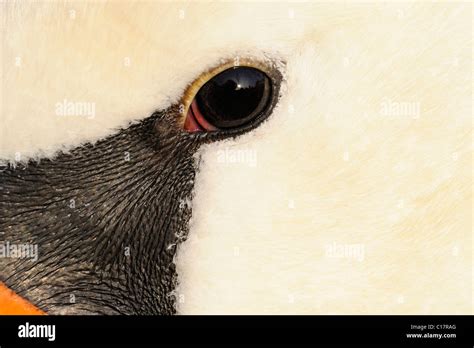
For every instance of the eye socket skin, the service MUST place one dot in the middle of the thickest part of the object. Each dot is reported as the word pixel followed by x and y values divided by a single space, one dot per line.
pixel 231 98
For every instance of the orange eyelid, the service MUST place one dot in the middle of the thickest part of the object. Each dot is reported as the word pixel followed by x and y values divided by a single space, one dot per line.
pixel 13 304
pixel 196 85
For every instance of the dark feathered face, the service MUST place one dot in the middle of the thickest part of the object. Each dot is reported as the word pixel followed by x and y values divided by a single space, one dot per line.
pixel 107 218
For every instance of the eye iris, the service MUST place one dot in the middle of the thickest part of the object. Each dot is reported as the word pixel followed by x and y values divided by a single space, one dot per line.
pixel 234 97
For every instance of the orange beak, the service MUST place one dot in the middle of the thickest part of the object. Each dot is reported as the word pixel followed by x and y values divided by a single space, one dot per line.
pixel 13 304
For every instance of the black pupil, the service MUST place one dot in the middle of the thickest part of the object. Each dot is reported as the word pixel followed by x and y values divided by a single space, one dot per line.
pixel 234 97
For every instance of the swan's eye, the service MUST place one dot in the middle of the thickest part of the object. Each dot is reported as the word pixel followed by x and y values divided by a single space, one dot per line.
pixel 229 100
